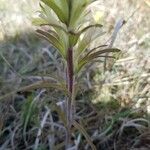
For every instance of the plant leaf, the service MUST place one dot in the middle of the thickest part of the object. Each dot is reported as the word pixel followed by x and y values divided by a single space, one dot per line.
pixel 91 56
pixel 74 36
pixel 47 14
pixel 42 22
pixel 77 8
pixel 53 40
pixel 86 40
pixel 38 85
pixel 60 7
pixel 88 27
pixel 96 54
pixel 39 21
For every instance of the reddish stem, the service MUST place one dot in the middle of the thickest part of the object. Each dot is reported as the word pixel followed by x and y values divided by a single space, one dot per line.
pixel 70 90
pixel 70 69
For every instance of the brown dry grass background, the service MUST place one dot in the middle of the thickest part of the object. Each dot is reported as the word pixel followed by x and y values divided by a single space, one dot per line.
pixel 126 87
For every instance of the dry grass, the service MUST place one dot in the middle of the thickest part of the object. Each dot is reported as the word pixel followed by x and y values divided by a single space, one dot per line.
pixel 114 109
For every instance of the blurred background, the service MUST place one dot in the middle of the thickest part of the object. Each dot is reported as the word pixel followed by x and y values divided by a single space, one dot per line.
pixel 24 58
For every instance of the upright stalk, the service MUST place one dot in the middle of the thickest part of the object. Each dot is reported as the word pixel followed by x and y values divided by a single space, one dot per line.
pixel 70 84
pixel 67 17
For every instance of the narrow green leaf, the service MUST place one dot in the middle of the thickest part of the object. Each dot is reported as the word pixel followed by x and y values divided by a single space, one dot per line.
pixel 78 7
pixel 39 21
pixel 55 5
pixel 28 112
pixel 43 22
pixel 53 40
pixel 95 48
pixel 83 44
pixel 64 39
pixel 91 56
pixel 47 14
pixel 38 85
pixel 96 54
pixel 88 38
pixel 88 27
